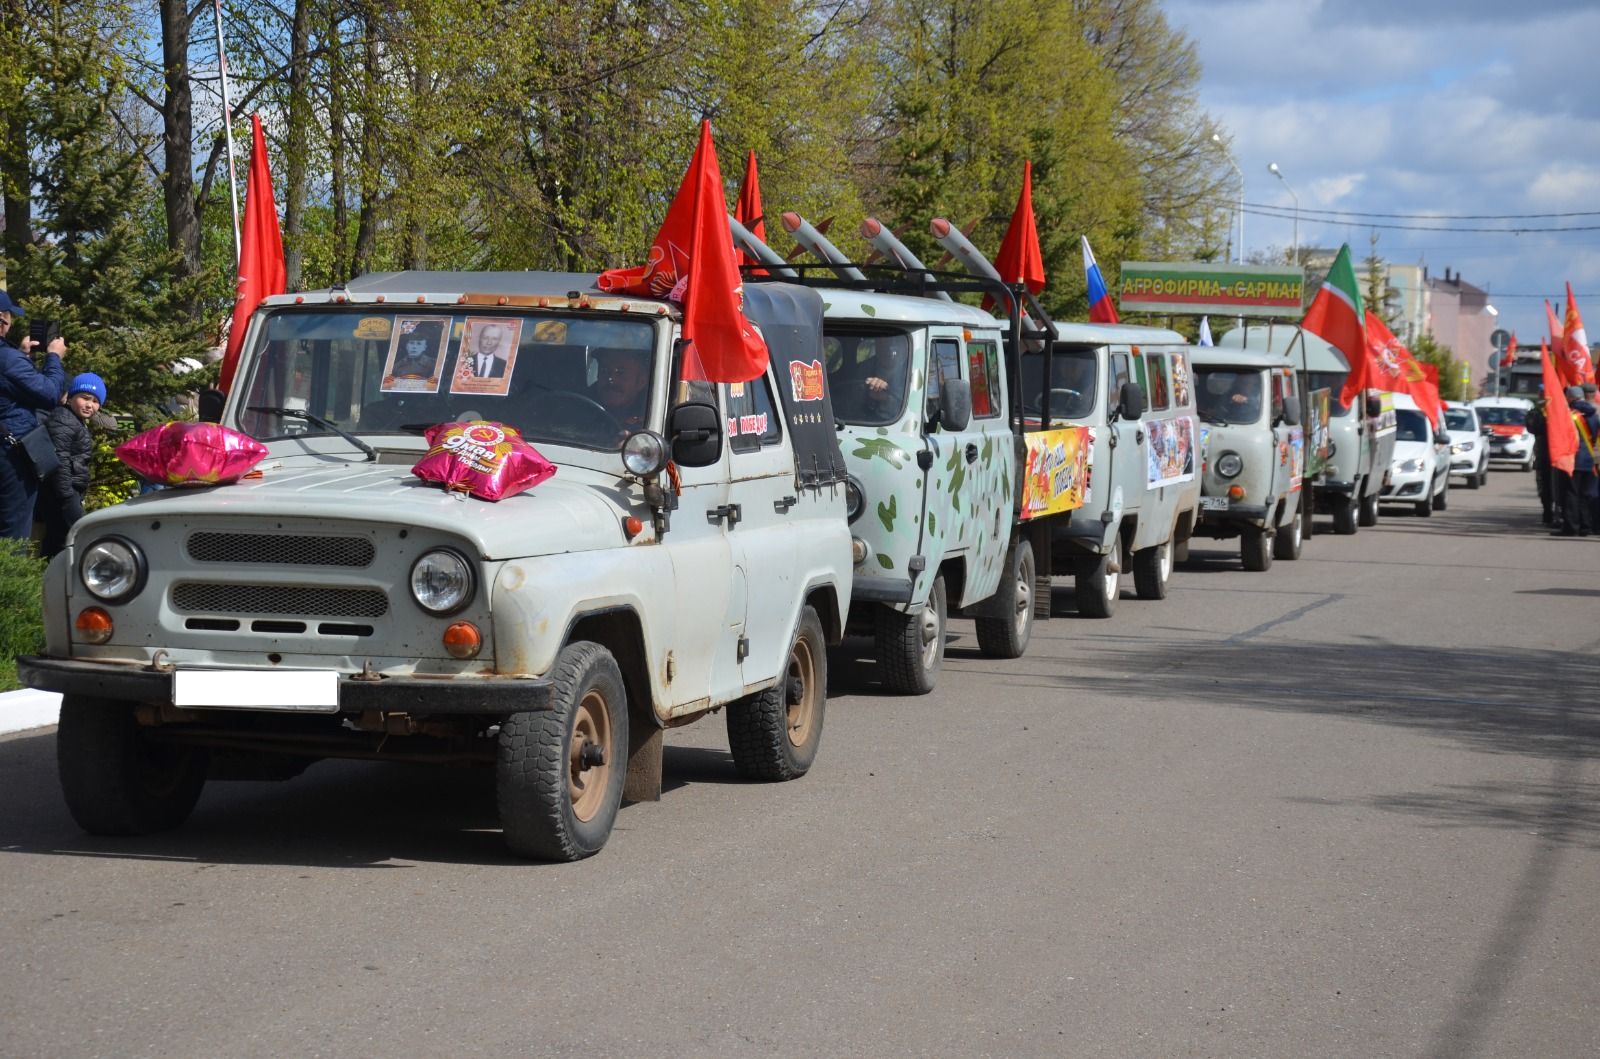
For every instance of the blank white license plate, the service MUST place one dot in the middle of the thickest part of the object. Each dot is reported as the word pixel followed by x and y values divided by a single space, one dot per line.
pixel 1213 503
pixel 316 690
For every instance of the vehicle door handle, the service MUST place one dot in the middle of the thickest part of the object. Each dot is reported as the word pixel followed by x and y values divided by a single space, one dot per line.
pixel 732 512
pixel 972 452
pixel 1138 436
pixel 782 506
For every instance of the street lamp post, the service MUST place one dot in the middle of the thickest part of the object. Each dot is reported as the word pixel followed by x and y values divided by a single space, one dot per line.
pixel 1295 249
pixel 1216 138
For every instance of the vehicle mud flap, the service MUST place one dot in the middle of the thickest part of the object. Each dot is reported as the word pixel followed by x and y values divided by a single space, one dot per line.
pixel 1043 562
pixel 645 750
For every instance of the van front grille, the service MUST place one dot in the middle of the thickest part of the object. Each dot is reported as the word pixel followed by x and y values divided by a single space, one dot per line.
pixel 283 549
pixel 196 597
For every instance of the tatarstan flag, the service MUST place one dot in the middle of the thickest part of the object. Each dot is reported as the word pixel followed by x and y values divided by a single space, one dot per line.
pixel 1337 317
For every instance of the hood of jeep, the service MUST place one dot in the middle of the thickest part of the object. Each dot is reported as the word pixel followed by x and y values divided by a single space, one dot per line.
pixel 576 510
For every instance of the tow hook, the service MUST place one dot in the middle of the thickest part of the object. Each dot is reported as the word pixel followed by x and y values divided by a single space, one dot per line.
pixel 367 672
pixel 593 755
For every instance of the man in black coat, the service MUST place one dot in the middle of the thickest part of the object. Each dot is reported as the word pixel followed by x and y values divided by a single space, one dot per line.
pixel 24 390
pixel 1541 459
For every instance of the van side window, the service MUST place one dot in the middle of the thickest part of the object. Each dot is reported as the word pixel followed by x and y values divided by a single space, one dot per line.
pixel 1279 388
pixel 944 362
pixel 752 422
pixel 1119 375
pixel 983 368
pixel 1182 391
pixel 1156 372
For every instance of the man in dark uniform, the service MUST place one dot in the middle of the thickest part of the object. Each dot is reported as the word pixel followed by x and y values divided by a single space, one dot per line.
pixel 1541 458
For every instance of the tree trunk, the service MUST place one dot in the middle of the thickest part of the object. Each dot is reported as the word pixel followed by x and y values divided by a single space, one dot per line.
pixel 177 131
pixel 336 152
pixel 294 203
pixel 367 218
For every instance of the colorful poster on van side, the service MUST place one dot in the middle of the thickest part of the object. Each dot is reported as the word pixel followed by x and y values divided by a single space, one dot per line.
pixel 1171 451
pixel 1056 476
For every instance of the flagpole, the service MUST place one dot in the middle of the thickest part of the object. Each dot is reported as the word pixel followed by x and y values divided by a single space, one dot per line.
pixel 227 125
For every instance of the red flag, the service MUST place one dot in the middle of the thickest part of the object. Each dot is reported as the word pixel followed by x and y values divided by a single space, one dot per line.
pixel 1511 352
pixel 692 262
pixel 1019 259
pixel 1390 366
pixel 1430 381
pixel 1561 434
pixel 261 269
pixel 747 211
pixel 1575 344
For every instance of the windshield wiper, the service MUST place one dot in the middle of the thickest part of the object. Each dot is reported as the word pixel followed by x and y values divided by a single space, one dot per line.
pixel 316 420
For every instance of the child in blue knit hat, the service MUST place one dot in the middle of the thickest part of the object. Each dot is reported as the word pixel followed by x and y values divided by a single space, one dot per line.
pixel 60 502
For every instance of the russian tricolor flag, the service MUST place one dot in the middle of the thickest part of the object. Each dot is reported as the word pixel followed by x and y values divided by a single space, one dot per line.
pixel 1101 311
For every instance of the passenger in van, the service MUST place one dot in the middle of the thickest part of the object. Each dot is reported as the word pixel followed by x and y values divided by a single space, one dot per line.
pixel 622 385
pixel 1230 396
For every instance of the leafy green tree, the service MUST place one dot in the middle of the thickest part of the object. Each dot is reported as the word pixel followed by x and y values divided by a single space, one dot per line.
pixel 1453 383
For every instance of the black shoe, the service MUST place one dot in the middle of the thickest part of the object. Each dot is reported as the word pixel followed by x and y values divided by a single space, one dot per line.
pixel 1562 533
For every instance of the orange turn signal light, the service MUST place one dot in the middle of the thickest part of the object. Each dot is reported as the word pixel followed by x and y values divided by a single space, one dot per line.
pixel 463 640
pixel 94 625
pixel 1235 492
pixel 631 526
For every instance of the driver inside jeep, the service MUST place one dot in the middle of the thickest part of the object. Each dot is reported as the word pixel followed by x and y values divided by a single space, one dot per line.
pixel 1230 397
pixel 622 386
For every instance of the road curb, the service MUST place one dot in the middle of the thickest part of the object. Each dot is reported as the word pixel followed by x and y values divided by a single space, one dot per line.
pixel 22 711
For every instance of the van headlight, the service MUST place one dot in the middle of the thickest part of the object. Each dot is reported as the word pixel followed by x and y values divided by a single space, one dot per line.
pixel 442 582
pixel 113 569
pixel 855 501
pixel 1229 464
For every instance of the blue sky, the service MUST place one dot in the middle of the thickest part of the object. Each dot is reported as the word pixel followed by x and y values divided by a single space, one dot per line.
pixel 1429 107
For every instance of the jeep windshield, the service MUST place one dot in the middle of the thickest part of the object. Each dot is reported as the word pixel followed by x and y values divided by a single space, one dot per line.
pixel 562 379
pixel 1072 383
pixel 868 369
pixel 1504 416
pixel 1227 396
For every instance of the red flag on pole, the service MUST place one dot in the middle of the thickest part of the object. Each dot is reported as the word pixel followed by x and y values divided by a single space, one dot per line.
pixel 1575 345
pixel 747 211
pixel 692 262
pixel 1560 432
pixel 1019 259
pixel 1511 352
pixel 1390 366
pixel 261 269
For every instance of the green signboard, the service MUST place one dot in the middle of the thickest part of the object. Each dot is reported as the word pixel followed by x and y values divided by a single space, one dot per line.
pixel 1262 291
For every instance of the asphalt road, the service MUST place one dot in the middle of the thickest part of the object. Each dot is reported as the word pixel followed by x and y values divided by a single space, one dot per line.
pixel 1347 807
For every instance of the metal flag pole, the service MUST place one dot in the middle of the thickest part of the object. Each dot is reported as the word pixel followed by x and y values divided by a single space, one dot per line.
pixel 227 125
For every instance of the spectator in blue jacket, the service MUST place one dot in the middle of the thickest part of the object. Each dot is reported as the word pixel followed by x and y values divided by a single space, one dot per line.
pixel 60 503
pixel 1578 506
pixel 25 390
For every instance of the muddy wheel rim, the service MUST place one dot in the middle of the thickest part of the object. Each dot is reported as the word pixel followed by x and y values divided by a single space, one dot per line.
pixel 1024 594
pixel 586 784
pixel 800 693
pixel 929 627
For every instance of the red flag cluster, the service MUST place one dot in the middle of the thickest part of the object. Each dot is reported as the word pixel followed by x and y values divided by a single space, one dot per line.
pixel 692 262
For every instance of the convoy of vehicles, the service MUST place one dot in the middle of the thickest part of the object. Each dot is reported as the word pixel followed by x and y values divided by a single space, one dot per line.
pixel 702 547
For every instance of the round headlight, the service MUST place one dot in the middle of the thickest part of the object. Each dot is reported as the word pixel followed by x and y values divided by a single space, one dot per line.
pixel 854 500
pixel 112 569
pixel 442 582
pixel 1229 464
pixel 644 453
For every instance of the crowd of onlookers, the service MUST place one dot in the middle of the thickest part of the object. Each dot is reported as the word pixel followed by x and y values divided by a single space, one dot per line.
pixel 1571 502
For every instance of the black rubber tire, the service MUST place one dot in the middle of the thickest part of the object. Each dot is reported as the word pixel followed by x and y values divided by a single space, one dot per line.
pixel 534 769
pixel 1308 511
pixel 774 734
pixel 1424 508
pixel 1344 516
pixel 1483 475
pixel 116 778
pixel 1367 515
pixel 1441 499
pixel 1287 541
pixel 1152 569
pixel 1473 480
pixel 1095 586
pixel 1008 637
pixel 908 659
pixel 1255 549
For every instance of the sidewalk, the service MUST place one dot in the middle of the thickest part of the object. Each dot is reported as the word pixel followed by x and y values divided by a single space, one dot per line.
pixel 25 709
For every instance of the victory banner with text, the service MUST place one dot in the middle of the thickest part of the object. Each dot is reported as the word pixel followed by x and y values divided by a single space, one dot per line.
pixel 1257 291
pixel 1056 477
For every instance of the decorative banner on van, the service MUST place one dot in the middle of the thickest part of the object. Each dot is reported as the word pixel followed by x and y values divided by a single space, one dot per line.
pixel 1317 446
pixel 1171 452
pixel 1056 476
pixel 1257 291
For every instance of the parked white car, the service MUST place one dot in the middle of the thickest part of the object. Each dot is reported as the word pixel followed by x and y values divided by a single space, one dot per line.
pixel 1418 475
pixel 1469 449
pixel 1509 440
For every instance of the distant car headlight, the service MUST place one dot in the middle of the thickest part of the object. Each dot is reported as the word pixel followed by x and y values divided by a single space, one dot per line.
pixel 855 501
pixel 442 582
pixel 1468 446
pixel 1229 464
pixel 1456 450
pixel 1411 465
pixel 113 569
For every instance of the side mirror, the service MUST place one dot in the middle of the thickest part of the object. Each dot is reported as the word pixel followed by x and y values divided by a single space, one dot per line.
pixel 1130 401
pixel 208 405
pixel 954 409
pixel 1291 410
pixel 695 432
pixel 1374 407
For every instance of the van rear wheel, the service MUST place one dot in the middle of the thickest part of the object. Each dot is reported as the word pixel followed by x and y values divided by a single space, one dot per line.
pixel 1287 541
pixel 910 647
pixel 1007 637
pixel 1344 515
pixel 1255 549
pixel 118 779
pixel 1369 510
pixel 1097 581
pixel 774 734
pixel 1152 569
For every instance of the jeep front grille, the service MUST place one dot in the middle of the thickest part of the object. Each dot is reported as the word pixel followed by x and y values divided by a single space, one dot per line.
pixel 280 548
pixel 196 597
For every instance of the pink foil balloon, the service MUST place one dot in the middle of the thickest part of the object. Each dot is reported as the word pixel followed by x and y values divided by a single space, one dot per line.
pixel 488 460
pixel 191 454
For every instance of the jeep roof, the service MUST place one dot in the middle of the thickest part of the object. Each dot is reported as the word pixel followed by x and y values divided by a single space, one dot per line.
pixel 840 303
pixel 450 286
pixel 1213 357
pixel 1320 355
pixel 1116 335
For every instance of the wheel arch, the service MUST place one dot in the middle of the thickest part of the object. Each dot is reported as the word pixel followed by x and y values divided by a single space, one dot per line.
pixel 824 599
pixel 619 630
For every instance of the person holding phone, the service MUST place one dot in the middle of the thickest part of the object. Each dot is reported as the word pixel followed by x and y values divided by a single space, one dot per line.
pixel 25 390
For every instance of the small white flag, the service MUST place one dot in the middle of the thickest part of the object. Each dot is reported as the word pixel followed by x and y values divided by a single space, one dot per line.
pixel 1205 331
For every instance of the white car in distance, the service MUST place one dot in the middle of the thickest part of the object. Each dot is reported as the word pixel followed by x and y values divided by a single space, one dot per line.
pixel 1469 449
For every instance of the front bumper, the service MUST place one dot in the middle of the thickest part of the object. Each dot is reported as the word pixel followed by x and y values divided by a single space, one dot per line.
pixel 419 696
pixel 1512 450
pixel 1228 522
pixel 1407 485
